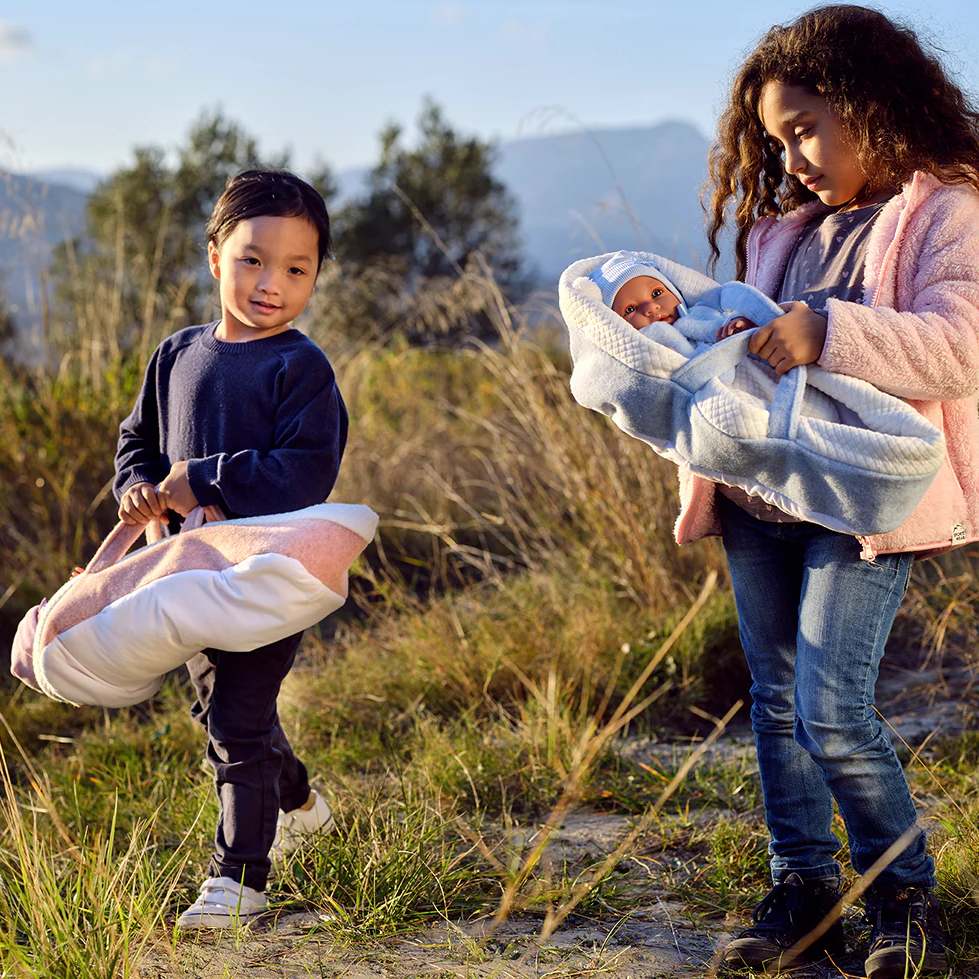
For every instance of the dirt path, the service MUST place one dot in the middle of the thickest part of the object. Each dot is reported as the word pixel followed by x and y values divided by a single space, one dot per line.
pixel 660 938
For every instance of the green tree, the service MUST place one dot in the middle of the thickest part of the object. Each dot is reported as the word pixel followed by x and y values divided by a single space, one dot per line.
pixel 428 210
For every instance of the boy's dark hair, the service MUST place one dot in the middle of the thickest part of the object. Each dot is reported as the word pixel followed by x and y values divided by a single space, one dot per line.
pixel 269 193
pixel 895 101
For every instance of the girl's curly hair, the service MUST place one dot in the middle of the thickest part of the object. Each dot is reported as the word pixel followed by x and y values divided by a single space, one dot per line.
pixel 895 102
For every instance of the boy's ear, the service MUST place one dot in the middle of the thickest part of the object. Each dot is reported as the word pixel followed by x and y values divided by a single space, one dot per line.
pixel 214 260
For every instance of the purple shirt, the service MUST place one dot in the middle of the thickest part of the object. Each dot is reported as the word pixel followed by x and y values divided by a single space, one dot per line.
pixel 827 263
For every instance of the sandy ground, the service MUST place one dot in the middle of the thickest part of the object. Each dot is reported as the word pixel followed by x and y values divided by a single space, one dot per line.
pixel 658 939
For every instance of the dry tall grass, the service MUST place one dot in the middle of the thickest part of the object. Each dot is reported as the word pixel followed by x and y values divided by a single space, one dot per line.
pixel 523 601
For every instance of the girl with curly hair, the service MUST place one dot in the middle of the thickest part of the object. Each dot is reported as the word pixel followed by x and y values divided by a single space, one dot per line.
pixel 848 161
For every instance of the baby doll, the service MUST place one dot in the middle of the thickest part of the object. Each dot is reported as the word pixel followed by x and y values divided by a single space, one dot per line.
pixel 645 297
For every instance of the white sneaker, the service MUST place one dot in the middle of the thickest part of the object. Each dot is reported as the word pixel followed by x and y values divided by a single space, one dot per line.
pixel 223 903
pixel 293 828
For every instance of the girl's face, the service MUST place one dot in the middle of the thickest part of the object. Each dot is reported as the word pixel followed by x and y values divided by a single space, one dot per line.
pixel 814 146
pixel 266 269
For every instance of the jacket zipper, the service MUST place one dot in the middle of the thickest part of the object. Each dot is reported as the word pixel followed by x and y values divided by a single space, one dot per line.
pixel 752 269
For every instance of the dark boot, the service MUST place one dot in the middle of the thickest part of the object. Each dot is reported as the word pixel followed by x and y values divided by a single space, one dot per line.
pixel 906 939
pixel 789 912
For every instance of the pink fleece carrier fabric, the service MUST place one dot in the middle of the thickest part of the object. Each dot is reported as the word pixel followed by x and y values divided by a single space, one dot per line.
pixel 916 336
pixel 109 635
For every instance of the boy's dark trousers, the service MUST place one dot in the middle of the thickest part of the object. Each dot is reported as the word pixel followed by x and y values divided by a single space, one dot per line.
pixel 256 772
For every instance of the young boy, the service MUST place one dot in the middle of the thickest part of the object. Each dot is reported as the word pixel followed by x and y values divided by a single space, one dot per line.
pixel 243 416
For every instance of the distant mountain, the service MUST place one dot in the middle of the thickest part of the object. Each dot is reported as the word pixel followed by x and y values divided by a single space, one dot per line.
pixel 578 194
pixel 74 177
pixel 593 191
pixel 598 190
pixel 34 217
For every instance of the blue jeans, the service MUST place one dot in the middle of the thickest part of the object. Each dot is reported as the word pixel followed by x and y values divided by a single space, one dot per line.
pixel 813 620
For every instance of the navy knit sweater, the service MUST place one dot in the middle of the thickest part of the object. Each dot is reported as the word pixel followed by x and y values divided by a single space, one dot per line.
pixel 261 424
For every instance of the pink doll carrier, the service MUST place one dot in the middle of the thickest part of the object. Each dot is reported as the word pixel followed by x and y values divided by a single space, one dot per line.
pixel 110 634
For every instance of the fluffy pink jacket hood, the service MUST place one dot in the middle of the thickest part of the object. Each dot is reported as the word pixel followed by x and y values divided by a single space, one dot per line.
pixel 916 336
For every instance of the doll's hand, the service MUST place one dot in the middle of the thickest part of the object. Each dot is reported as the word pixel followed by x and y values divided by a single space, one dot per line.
pixel 141 504
pixel 737 325
pixel 175 489
pixel 795 338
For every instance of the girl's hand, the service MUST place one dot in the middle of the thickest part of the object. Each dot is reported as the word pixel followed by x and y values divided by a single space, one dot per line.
pixel 737 325
pixel 140 504
pixel 790 340
pixel 176 490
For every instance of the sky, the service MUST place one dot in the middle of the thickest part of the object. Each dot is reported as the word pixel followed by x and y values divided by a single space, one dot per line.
pixel 84 83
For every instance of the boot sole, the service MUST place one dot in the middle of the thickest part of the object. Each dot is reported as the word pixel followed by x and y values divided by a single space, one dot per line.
pixel 751 956
pixel 893 963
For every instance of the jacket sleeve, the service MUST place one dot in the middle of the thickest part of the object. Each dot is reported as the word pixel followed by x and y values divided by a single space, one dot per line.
pixel 931 351
pixel 138 455
pixel 301 467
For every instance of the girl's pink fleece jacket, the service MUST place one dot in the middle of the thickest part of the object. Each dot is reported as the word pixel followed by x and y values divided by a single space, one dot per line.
pixel 916 335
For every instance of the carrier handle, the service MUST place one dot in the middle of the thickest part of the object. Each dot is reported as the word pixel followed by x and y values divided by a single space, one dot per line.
pixel 786 407
pixel 122 537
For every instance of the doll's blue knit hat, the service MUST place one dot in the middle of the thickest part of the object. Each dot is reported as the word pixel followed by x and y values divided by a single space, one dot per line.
pixel 617 270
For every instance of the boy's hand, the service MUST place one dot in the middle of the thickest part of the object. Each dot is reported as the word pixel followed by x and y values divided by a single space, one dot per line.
pixel 140 504
pixel 175 488
pixel 792 339
pixel 737 325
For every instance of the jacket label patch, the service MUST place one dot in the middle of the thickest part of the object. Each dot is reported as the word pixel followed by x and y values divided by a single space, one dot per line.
pixel 958 533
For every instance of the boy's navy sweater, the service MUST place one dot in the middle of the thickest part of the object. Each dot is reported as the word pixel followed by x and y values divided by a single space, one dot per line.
pixel 261 423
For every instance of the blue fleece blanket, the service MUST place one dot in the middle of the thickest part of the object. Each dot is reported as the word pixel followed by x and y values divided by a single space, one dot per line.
pixel 824 447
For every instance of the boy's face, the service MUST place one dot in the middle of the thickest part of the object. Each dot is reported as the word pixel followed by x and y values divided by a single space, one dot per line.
pixel 644 300
pixel 266 269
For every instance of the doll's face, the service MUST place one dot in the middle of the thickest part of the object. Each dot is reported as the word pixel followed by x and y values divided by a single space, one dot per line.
pixel 644 300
